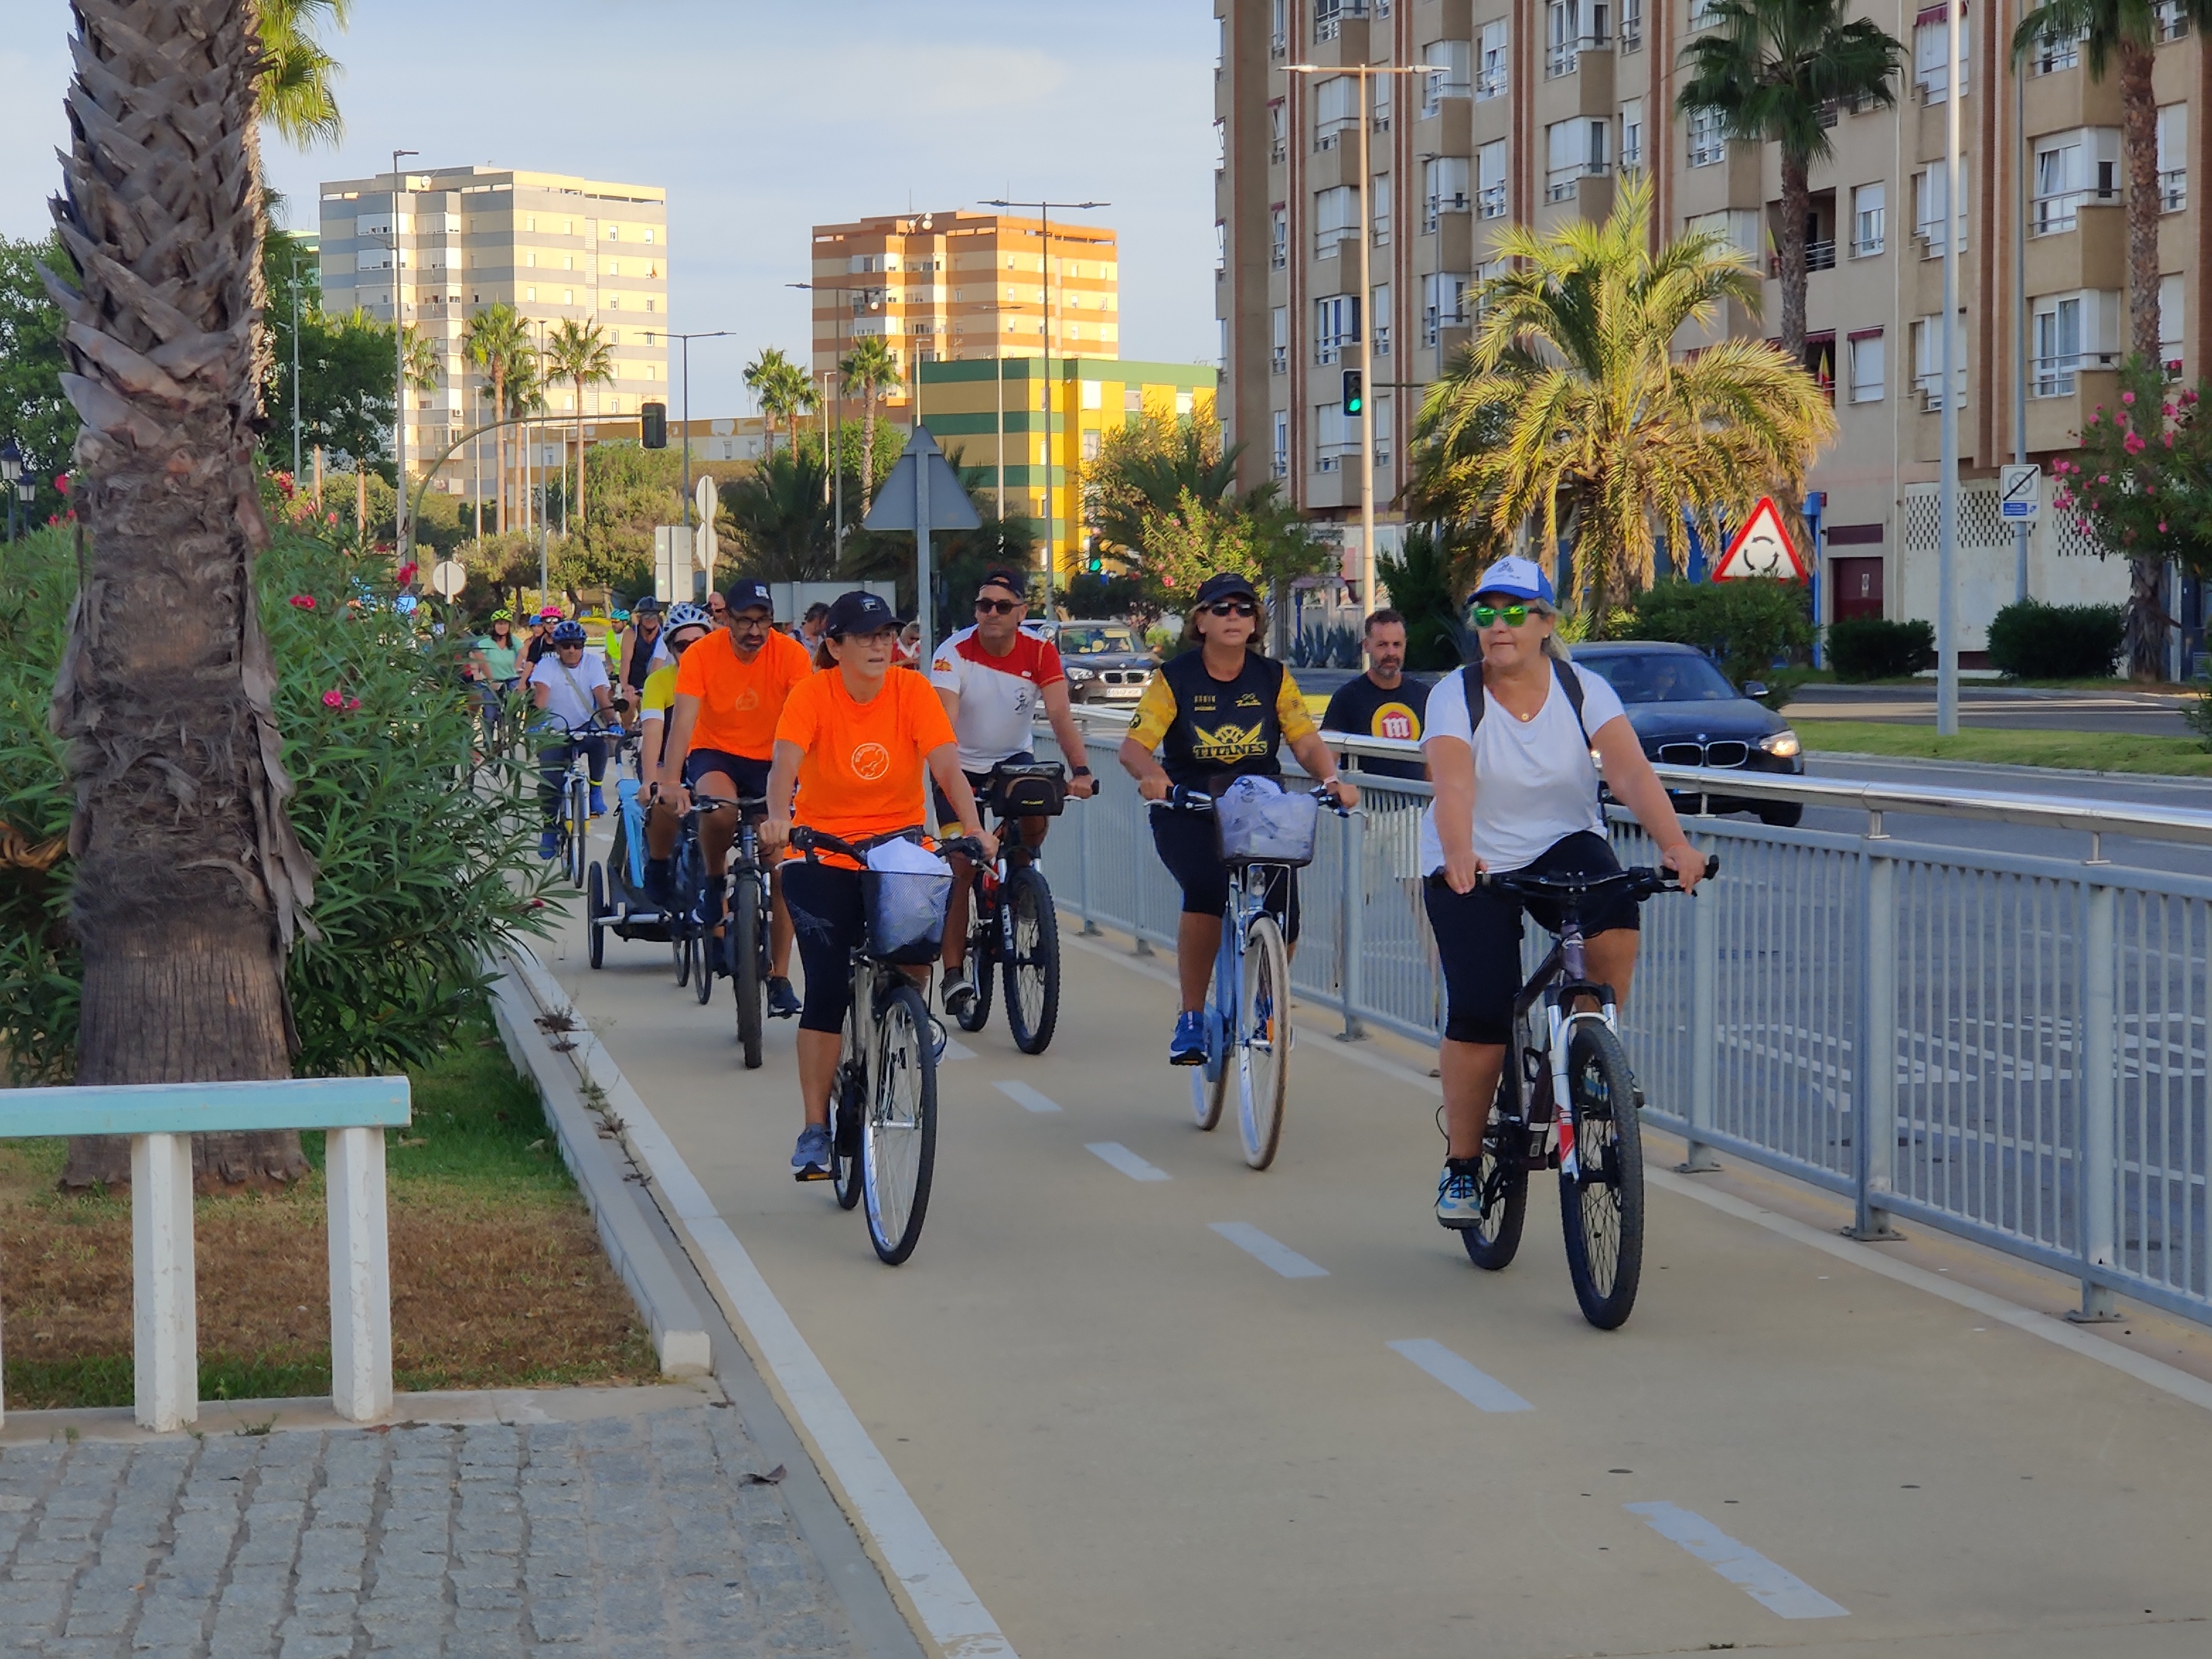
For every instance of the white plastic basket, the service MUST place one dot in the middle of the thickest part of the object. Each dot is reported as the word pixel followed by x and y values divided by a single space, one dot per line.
pixel 1261 822
pixel 905 889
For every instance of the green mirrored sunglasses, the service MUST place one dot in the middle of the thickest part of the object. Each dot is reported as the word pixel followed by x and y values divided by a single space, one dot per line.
pixel 1489 616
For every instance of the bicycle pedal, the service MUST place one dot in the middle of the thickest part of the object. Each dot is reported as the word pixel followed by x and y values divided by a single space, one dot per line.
pixel 811 1172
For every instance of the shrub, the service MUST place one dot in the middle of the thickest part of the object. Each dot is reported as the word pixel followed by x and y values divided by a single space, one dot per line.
pixel 2032 641
pixel 1753 629
pixel 1870 648
pixel 424 856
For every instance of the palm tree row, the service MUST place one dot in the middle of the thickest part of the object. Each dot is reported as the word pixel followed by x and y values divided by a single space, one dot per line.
pixel 783 389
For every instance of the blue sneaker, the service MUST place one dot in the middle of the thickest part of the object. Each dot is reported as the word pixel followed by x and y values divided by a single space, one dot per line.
pixel 549 844
pixel 598 803
pixel 1188 1046
pixel 1459 1194
pixel 810 1160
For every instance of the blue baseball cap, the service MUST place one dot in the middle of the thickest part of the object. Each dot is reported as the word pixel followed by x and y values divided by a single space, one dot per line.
pixel 749 594
pixel 1516 578
pixel 858 613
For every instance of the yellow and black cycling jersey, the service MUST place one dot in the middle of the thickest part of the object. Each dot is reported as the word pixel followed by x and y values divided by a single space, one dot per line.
pixel 1209 728
pixel 658 695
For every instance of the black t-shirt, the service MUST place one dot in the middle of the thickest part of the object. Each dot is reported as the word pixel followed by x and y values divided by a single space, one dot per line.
pixel 1364 709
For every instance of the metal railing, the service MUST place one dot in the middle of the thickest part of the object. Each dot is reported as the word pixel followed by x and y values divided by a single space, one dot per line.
pixel 2037 1025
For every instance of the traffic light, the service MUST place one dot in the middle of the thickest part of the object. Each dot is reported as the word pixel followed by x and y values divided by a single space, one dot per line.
pixel 1355 397
pixel 655 418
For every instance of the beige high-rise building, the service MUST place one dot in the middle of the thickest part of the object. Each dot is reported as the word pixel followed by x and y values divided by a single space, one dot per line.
pixel 1531 112
pixel 961 286
pixel 552 246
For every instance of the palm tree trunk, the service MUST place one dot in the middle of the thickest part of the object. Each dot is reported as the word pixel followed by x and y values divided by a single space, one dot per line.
pixel 498 451
pixel 579 449
pixel 2146 625
pixel 361 502
pixel 189 882
pixel 1797 206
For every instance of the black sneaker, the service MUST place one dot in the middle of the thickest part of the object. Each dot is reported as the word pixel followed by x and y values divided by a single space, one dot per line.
pixel 782 1000
pixel 718 900
pixel 959 992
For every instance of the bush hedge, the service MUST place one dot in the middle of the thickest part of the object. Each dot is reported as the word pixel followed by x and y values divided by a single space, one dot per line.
pixel 1748 628
pixel 2032 641
pixel 1870 648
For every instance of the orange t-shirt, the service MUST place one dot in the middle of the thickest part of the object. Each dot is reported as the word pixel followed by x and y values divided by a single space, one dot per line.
pixel 863 772
pixel 739 703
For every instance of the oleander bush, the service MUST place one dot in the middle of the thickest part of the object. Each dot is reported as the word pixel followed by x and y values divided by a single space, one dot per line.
pixel 1872 648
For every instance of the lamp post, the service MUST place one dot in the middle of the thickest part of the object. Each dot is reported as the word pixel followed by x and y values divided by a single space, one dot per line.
pixel 1947 506
pixel 872 297
pixel 1051 506
pixel 1364 73
pixel 399 366
pixel 11 469
pixel 295 370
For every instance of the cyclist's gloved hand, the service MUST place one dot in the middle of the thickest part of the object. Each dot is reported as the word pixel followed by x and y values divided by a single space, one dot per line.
pixel 1687 863
pixel 1343 792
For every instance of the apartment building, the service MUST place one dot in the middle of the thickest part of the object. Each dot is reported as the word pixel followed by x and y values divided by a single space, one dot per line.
pixel 1530 112
pixel 439 245
pixel 1033 433
pixel 961 286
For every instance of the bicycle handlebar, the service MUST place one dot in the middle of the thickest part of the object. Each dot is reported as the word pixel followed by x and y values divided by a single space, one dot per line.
pixel 1640 882
pixel 1182 798
pixel 812 842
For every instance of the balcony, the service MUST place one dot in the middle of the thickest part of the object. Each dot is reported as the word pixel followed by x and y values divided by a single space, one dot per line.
pixel 1326 136
pixel 1381 347
pixel 1562 57
pixel 2056 214
pixel 1329 16
pixel 1707 149
pixel 1819 255
pixel 1563 184
pixel 2173 189
pixel 1279 362
pixel 1433 210
pixel 1435 321
pixel 2054 377
pixel 1490 202
pixel 1488 83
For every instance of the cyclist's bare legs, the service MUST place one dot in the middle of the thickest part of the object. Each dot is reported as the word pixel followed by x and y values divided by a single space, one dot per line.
pixel 778 929
pixel 661 824
pixel 717 829
pixel 1198 940
pixel 956 914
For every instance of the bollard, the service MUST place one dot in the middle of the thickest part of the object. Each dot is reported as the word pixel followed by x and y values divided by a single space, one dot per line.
pixel 164 1311
pixel 360 1275
pixel 1874 1116
pixel 1351 926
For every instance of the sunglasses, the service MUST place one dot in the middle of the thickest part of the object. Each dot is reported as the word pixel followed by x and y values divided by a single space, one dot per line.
pixel 747 619
pixel 1489 616
pixel 718 611
pixel 1232 608
pixel 999 607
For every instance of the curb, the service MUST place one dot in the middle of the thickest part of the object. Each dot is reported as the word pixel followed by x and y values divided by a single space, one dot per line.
pixel 588 1133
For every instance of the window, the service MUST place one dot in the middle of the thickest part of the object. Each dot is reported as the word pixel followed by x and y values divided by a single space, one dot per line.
pixel 1707 146
pixel 1739 225
pixel 568 297
pixel 1278 361
pixel 529 261
pixel 1867 369
pixel 1333 437
pixel 2168 20
pixel 1571 27
pixel 2057 346
pixel 1379 227
pixel 2049 57
pixel 1378 314
pixel 2174 157
pixel 614 233
pixel 2170 302
pixel 1928 361
pixel 1869 230
pixel 1093 442
pixel 2072 168
pixel 1631 134
pixel 1279 464
pixel 530 222
pixel 530 294
pixel 1335 219
pixel 1279 30
pixel 1450 72
pixel 1701 14
pixel 1336 109
pixel 1573 150
pixel 1379 410
pixel 1278 233
pixel 1491 180
pixel 1631 26
pixel 1931 223
pixel 1444 189
pixel 1277 149
pixel 648 233
pixel 1931 48
pixel 1381 83
pixel 1094 395
pixel 1336 325
pixel 1443 305
pixel 1490 82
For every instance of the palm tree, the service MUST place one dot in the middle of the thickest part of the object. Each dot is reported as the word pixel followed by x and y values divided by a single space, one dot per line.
pixel 869 370
pixel 1771 70
pixel 1148 467
pixel 783 391
pixel 780 514
pixel 1570 398
pixel 579 354
pixel 189 882
pixel 293 89
pixel 497 343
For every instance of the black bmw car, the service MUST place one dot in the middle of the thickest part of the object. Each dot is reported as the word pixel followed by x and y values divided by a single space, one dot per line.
pixel 1687 713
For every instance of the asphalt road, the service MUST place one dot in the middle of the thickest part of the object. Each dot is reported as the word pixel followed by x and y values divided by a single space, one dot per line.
pixel 1997 707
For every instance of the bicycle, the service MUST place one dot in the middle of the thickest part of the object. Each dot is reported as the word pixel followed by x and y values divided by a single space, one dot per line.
pixel 1011 918
pixel 746 928
pixel 615 898
pixel 690 934
pixel 1247 1011
pixel 573 826
pixel 1597 1144
pixel 883 1101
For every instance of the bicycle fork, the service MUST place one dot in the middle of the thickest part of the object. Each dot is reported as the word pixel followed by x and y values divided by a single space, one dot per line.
pixel 1559 1026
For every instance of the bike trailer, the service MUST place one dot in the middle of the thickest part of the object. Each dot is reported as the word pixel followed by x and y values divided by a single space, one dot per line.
pixel 1037 789
pixel 905 889
pixel 633 819
pixel 1260 822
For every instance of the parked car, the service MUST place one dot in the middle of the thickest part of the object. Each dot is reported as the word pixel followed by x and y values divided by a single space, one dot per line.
pixel 1106 662
pixel 1687 713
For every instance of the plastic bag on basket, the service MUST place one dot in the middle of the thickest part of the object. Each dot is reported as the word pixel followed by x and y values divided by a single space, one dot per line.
pixel 908 887
pixel 1261 823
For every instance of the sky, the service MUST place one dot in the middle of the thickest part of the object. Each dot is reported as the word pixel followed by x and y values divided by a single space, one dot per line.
pixel 762 121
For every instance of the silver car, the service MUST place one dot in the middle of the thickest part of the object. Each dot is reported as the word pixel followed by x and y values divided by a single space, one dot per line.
pixel 1106 662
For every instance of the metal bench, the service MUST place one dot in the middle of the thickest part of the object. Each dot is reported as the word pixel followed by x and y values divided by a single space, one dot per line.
pixel 160 1118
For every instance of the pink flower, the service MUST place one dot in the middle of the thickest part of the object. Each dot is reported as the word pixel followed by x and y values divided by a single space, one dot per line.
pixel 2188 398
pixel 333 698
pixel 2127 397
pixel 2103 478
pixel 331 517
pixel 2093 419
pixel 406 574
pixel 352 703
pixel 2161 527
pixel 304 601
pixel 2166 409
pixel 2133 444
pixel 2169 440
pixel 61 481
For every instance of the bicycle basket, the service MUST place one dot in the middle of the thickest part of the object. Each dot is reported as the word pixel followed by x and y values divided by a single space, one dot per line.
pixel 905 889
pixel 1261 823
pixel 1038 790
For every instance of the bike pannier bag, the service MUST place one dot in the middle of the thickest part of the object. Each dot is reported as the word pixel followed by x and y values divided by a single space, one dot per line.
pixel 1261 823
pixel 905 889
pixel 1038 790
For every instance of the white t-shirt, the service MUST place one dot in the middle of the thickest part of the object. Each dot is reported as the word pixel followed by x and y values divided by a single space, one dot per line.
pixel 1534 783
pixel 998 695
pixel 573 705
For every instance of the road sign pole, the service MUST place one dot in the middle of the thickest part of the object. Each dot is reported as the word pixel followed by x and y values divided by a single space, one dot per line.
pixel 922 596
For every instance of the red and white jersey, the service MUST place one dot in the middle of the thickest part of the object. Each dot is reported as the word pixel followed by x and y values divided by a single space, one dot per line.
pixel 998 695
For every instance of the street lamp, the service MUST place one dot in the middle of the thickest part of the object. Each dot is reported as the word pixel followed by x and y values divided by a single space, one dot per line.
pixel 1365 72
pixel 1051 507
pixel 11 469
pixel 399 365
pixel 872 297
pixel 718 334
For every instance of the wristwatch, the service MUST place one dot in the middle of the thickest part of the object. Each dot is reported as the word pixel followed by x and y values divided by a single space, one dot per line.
pixel 1080 772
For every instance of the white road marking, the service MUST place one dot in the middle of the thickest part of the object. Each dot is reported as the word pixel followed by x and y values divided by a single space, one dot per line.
pixel 1773 1586
pixel 1280 1256
pixel 1479 1389
pixel 1113 1152
pixel 1024 1096
pixel 955 1049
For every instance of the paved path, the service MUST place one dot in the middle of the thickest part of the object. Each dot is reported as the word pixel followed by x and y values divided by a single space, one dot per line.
pixel 1278 1414
pixel 628 1529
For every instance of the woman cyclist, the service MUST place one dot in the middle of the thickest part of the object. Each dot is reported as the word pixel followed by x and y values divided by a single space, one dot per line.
pixel 1516 790
pixel 855 741
pixel 1217 713
pixel 498 655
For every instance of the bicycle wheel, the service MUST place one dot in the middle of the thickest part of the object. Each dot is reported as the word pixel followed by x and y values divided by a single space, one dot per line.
pixel 705 947
pixel 1494 1240
pixel 899 1147
pixel 748 987
pixel 1263 1042
pixel 595 909
pixel 1602 1205
pixel 1031 960
pixel 982 952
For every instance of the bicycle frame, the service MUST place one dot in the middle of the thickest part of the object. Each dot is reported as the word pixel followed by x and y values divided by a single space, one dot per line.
pixel 1222 1034
pixel 1560 981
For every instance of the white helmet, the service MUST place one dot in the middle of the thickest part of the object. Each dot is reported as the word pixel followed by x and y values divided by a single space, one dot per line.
pixel 686 615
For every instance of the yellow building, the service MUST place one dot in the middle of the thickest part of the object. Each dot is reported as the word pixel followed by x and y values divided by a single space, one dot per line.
pixel 1033 436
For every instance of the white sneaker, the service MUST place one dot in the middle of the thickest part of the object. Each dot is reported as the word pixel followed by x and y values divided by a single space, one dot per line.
pixel 1459 1194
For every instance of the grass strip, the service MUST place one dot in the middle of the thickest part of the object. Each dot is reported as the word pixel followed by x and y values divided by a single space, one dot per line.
pixel 2092 751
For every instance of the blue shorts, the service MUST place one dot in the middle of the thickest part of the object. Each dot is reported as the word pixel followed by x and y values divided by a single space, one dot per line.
pixel 750 775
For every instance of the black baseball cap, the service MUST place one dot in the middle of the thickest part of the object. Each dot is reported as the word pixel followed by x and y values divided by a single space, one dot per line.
pixel 1226 585
pixel 749 594
pixel 858 613
pixel 1005 578
pixel 646 606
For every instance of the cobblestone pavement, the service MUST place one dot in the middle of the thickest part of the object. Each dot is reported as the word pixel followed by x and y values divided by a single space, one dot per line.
pixel 625 1535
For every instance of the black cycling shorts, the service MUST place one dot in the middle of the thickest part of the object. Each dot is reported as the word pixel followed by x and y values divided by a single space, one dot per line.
pixel 1479 936
pixel 826 911
pixel 750 775
pixel 1188 846
pixel 948 821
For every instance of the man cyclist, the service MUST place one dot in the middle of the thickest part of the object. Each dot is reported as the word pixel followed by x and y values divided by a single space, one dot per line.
pixel 991 678
pixel 730 692
pixel 574 687
pixel 1217 713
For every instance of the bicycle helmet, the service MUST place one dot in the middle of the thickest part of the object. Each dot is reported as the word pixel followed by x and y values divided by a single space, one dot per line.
pixel 569 633
pixel 502 615
pixel 687 615
pixel 551 613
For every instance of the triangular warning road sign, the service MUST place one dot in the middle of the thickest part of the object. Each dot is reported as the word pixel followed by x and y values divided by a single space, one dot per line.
pixel 1762 548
